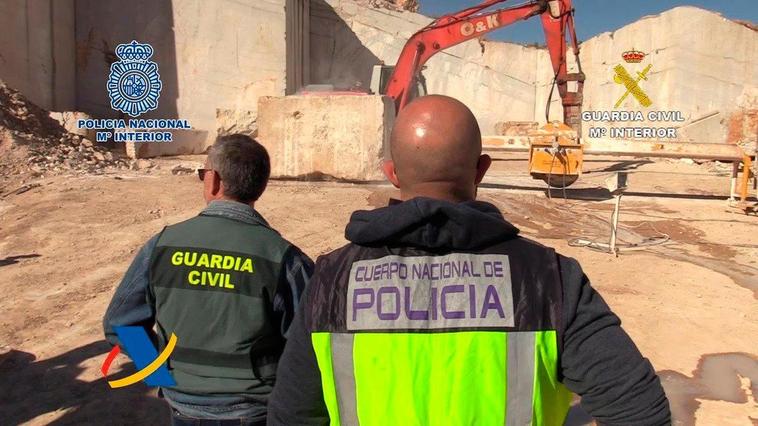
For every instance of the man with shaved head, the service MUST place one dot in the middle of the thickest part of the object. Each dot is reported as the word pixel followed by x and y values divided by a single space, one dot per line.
pixel 438 313
pixel 436 151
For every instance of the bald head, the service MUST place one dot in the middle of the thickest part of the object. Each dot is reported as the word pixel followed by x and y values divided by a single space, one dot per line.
pixel 436 150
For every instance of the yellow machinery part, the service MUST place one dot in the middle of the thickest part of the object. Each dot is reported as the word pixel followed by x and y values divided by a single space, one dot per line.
pixel 558 167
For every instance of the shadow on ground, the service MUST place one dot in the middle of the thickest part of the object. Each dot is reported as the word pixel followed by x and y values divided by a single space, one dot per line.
pixel 10 260
pixel 624 165
pixel 30 389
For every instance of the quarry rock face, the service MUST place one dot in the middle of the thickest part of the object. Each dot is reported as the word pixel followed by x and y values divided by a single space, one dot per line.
pixel 411 5
pixel 742 127
pixel 340 137
pixel 496 80
pixel 696 72
pixel 215 63
pixel 507 86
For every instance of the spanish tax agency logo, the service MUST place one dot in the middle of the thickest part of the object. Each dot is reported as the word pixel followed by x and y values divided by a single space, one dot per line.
pixel 151 366
pixel 134 84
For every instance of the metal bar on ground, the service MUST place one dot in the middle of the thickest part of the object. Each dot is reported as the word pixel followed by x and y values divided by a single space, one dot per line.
pixel 619 147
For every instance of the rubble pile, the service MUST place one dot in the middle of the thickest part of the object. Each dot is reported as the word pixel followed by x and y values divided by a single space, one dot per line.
pixel 398 5
pixel 30 140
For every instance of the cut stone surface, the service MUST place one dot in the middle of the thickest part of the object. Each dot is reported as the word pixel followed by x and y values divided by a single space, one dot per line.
pixel 231 121
pixel 515 128
pixel 340 137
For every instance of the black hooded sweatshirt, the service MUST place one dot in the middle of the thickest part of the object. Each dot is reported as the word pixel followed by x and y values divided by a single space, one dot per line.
pixel 598 360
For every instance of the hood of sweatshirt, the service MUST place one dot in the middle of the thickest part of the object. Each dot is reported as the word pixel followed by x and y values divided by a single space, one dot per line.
pixel 432 224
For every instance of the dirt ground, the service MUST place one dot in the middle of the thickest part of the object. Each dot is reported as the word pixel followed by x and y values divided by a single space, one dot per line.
pixel 690 304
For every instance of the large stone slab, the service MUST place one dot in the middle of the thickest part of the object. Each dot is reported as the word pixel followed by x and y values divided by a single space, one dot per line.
pixel 315 136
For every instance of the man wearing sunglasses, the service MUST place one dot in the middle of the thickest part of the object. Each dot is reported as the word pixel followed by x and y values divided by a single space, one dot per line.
pixel 226 285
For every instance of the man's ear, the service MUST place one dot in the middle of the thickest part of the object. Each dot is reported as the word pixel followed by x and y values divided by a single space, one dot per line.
pixel 388 167
pixel 217 188
pixel 482 166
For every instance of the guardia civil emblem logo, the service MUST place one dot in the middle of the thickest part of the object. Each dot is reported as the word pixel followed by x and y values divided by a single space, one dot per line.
pixel 134 84
pixel 624 78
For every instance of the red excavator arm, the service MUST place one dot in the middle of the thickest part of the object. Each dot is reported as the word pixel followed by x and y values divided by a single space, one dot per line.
pixel 449 30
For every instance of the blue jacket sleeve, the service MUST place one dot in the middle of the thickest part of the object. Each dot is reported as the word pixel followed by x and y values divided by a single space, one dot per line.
pixel 132 303
pixel 601 363
pixel 297 269
pixel 297 398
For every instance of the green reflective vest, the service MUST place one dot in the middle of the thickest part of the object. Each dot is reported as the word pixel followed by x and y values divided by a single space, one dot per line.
pixel 213 280
pixel 457 339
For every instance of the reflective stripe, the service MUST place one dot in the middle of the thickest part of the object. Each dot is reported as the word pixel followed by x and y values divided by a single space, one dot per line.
pixel 551 398
pixel 520 379
pixel 515 384
pixel 344 377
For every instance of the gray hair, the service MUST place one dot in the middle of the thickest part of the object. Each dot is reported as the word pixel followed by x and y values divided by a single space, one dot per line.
pixel 243 165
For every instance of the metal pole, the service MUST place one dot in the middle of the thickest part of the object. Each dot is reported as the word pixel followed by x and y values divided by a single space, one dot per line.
pixel 733 181
pixel 614 224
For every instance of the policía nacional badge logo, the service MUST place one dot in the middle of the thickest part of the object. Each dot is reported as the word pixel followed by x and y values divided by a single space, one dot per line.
pixel 134 84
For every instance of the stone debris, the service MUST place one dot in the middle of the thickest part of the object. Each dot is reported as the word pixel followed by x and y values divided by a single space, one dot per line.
pixel 26 188
pixel 142 164
pixel 398 5
pixel 747 24
pixel 230 121
pixel 31 140
pixel 68 120
pixel 182 170
pixel 515 128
